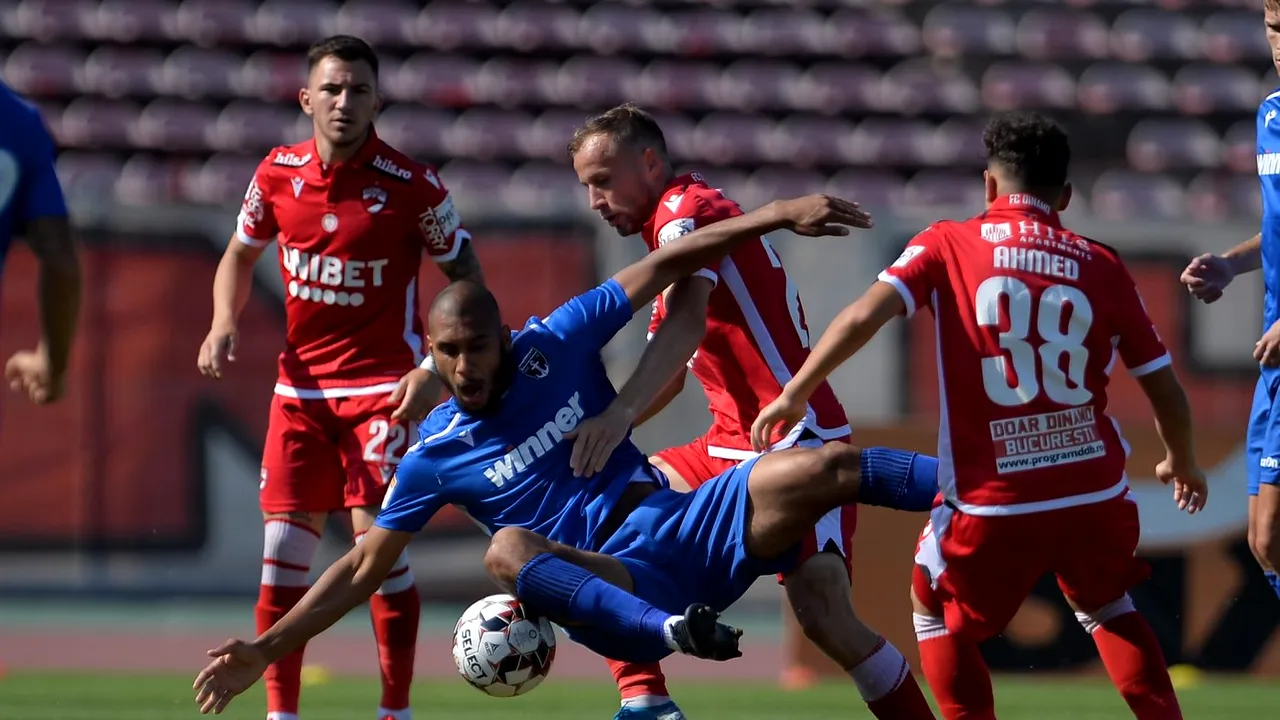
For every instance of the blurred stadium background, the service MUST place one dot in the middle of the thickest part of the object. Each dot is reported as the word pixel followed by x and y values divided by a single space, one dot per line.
pixel 129 529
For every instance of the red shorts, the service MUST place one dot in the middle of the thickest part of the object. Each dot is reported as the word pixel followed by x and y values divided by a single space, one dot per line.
pixel 976 571
pixel 833 533
pixel 331 453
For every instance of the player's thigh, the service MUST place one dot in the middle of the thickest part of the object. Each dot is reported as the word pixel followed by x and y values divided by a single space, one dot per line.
pixel 511 548
pixel 371 444
pixel 1095 545
pixel 791 490
pixel 1261 436
pixel 302 470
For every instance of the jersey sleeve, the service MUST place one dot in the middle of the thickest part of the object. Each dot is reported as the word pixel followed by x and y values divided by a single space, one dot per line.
pixel 441 226
pixel 256 225
pixel 1138 342
pixel 38 195
pixel 694 211
pixel 413 497
pixel 915 273
pixel 655 317
pixel 592 318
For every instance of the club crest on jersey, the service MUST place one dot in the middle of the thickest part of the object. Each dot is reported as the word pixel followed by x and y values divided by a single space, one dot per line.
pixel 289 159
pixel 535 364
pixel 329 222
pixel 375 198
pixel 996 232
pixel 391 168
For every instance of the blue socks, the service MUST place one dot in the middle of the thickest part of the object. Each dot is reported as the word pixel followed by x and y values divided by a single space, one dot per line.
pixel 898 479
pixel 1273 580
pixel 569 594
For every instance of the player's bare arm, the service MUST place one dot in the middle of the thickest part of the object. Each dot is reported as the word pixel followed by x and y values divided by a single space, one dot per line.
pixel 40 373
pixel 1208 275
pixel 663 359
pixel 466 266
pixel 348 582
pixel 851 329
pixel 231 286
pixel 1173 423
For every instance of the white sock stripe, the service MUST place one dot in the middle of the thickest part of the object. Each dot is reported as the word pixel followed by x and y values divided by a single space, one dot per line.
pixel 880 673
pixel 276 576
pixel 1112 610
pixel 396 582
pixel 289 543
pixel 928 626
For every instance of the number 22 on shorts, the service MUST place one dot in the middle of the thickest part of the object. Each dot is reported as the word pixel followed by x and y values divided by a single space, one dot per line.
pixel 385 443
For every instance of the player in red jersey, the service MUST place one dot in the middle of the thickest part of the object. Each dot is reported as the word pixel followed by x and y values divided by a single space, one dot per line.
pixel 740 327
pixel 352 218
pixel 1030 318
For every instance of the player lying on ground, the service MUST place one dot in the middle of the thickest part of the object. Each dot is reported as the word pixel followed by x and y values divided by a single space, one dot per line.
pixel 497 448
pixel 353 218
pixel 1208 276
pixel 1030 317
pixel 739 326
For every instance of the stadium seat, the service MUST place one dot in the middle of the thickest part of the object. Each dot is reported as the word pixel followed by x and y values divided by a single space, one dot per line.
pixel 1107 87
pixel 770 183
pixel 832 88
pixel 148 179
pixel 514 82
pixel 786 31
pixel 1146 33
pixel 383 23
pixel 694 32
pixel 119 71
pixel 921 85
pixel 43 70
pixel 415 130
pixel 1234 37
pixel 942 192
pixel 527 26
pixel 250 126
pixel 87 176
pixel 44 20
pixel 726 138
pixel 219 180
pixel 955 29
pixel 808 140
pixel 1220 196
pixel 1202 88
pixel 474 184
pixel 94 123
pixel 680 133
pixel 212 23
pixel 539 188
pixel 677 85
pixel 1028 85
pixel 611 27
pixel 958 143
pixel 176 125
pixel 194 73
pixel 431 78
pixel 1160 144
pixel 1122 194
pixel 548 137
pixel 290 23
pixel 1049 33
pixel 593 82
pixel 751 85
pixel 449 25
pixel 1240 147
pixel 877 191
pixel 485 134
pixel 858 33
pixel 889 142
pixel 1268 83
pixel 272 75
pixel 128 21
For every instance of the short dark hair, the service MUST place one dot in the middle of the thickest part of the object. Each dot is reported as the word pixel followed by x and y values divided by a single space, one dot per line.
pixel 347 48
pixel 626 125
pixel 1030 147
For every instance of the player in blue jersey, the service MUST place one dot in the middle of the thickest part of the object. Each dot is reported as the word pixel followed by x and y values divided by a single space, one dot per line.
pixel 31 206
pixel 633 569
pixel 1208 276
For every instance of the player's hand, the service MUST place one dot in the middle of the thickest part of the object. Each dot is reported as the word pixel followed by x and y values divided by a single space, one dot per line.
pixel 31 372
pixel 819 215
pixel 218 349
pixel 1267 350
pixel 236 666
pixel 1207 276
pixel 777 417
pixel 595 440
pixel 414 396
pixel 1190 489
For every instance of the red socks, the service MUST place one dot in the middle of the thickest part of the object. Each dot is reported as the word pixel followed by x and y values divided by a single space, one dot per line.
pixel 1136 664
pixel 956 672
pixel 639 679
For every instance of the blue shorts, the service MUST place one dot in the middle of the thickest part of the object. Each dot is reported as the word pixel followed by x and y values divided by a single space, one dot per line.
pixel 685 548
pixel 1262 445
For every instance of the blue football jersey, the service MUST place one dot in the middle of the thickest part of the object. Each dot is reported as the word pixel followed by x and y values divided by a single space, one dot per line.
pixel 29 187
pixel 510 467
pixel 1269 178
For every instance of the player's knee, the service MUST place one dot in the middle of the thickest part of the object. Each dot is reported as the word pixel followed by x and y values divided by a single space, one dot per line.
pixel 289 544
pixel 1091 620
pixel 509 550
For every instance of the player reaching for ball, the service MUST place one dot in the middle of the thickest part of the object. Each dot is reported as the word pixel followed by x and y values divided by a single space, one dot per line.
pixel 352 218
pixel 632 569
pixel 1030 318
pixel 1208 276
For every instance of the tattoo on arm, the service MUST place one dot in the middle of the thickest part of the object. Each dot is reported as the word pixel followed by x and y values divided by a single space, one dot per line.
pixel 466 266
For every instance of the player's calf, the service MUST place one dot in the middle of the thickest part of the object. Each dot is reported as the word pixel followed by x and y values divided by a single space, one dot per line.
pixel 953 664
pixel 1264 531
pixel 395 609
pixel 1133 659
pixel 289 544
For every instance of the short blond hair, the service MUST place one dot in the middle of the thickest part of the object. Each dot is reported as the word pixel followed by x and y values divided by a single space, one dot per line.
pixel 626 125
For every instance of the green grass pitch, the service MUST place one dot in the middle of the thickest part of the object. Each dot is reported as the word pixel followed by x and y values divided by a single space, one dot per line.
pixel 30 696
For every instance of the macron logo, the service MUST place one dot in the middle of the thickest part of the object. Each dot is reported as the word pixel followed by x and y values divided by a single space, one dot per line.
pixel 538 444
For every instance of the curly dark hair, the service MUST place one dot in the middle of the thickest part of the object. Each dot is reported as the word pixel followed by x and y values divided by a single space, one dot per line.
pixel 1030 148
pixel 627 125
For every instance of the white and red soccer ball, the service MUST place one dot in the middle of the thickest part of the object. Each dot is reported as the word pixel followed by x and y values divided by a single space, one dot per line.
pixel 500 647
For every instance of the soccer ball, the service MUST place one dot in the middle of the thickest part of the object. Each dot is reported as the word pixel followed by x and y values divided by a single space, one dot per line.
pixel 501 648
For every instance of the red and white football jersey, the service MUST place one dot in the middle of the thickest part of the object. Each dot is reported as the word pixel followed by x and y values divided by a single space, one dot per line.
pixel 756 336
pixel 351 238
pixel 1030 318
